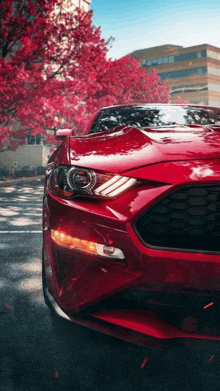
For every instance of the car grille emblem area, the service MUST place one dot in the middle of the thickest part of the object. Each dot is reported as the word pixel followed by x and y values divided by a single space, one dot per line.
pixel 186 219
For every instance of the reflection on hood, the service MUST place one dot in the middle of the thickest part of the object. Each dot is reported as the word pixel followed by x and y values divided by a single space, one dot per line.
pixel 128 148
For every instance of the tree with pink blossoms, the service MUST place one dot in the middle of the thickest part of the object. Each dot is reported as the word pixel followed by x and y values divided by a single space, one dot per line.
pixel 54 71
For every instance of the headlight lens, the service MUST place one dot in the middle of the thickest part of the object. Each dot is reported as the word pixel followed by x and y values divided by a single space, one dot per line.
pixel 69 181
pixel 80 179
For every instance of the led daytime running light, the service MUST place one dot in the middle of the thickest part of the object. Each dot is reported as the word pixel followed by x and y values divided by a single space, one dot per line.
pixel 115 186
pixel 129 183
pixel 107 184
pixel 68 241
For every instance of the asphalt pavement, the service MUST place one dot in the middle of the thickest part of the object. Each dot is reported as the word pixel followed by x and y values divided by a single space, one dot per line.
pixel 40 352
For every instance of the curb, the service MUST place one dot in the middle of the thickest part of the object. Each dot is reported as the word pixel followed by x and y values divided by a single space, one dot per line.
pixel 22 180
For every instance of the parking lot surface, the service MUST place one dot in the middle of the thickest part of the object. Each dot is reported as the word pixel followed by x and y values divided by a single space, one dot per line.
pixel 40 352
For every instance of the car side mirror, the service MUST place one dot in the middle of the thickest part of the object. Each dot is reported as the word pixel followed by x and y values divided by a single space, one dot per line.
pixel 61 134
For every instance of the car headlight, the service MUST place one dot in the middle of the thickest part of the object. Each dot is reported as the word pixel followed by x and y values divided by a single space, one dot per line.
pixel 69 181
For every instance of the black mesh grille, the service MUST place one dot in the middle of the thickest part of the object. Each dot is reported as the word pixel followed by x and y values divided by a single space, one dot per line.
pixel 187 219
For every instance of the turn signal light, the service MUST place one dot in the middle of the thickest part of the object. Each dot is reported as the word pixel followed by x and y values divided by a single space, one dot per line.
pixel 86 246
pixel 68 241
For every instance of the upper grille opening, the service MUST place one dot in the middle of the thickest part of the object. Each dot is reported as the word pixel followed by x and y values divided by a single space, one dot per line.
pixel 187 219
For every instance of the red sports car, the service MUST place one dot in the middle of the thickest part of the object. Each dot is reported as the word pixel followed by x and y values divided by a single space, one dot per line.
pixel 131 223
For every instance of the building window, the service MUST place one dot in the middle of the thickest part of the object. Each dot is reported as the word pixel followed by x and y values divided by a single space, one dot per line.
pixel 214 87
pixel 34 140
pixel 214 71
pixel 179 58
pixel 183 73
pixel 189 88
pixel 214 55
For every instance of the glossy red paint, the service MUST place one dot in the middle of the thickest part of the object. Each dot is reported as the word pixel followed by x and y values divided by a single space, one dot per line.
pixel 146 322
pixel 163 160
pixel 133 148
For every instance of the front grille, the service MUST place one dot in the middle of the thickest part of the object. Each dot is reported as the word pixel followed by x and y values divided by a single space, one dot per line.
pixel 187 219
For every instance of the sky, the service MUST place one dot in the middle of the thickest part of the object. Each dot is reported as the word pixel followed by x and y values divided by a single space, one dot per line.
pixel 140 24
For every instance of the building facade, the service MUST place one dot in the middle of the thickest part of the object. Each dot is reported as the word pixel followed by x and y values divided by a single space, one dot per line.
pixel 70 5
pixel 33 153
pixel 192 73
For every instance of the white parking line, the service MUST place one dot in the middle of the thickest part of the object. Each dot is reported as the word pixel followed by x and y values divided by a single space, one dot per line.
pixel 21 232
pixel 22 203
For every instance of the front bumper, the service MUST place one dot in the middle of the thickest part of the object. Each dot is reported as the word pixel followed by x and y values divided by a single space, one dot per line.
pixel 92 290
pixel 141 327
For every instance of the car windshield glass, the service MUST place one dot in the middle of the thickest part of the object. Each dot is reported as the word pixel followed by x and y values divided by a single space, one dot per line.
pixel 155 116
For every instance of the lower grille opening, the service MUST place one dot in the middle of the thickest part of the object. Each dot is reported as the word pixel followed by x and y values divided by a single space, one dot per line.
pixel 179 310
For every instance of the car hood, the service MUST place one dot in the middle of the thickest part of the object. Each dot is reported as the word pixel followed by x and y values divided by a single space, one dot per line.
pixel 126 148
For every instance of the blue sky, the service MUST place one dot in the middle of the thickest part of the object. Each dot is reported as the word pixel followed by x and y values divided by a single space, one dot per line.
pixel 139 24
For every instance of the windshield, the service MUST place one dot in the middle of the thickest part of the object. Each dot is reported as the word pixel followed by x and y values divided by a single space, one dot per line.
pixel 155 116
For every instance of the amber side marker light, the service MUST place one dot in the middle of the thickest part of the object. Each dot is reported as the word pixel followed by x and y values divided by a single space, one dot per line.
pixel 64 240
